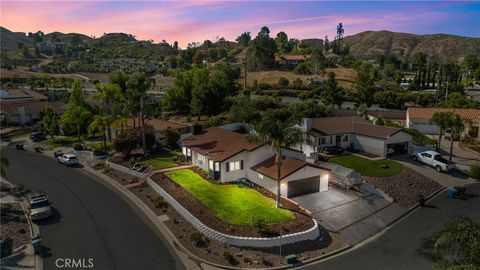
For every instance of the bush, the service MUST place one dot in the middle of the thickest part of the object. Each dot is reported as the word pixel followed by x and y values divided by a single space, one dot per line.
pixel 260 224
pixel 198 239
pixel 171 137
pixel 229 257
pixel 302 69
pixel 159 202
pixel 475 171
pixel 283 82
pixel 98 152
pixel 77 146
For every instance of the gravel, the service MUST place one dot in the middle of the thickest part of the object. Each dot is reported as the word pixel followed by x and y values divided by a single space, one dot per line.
pixel 15 230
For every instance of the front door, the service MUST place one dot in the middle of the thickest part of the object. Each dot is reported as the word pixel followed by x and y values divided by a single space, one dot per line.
pixel 338 139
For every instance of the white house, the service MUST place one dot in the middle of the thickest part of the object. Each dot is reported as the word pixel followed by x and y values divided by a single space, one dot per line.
pixel 353 132
pixel 229 156
pixel 419 119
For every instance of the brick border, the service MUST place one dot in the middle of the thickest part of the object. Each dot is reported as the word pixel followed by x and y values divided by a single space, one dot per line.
pixel 309 234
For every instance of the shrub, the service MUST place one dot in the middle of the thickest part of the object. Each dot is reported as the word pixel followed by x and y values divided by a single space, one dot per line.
pixel 302 69
pixel 98 152
pixel 198 239
pixel 77 146
pixel 247 260
pixel 159 202
pixel 475 171
pixel 260 224
pixel 229 257
pixel 172 136
pixel 283 82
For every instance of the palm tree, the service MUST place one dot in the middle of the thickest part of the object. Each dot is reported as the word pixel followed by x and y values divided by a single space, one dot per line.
pixel 109 93
pixel 77 116
pixel 4 164
pixel 100 124
pixel 441 120
pixel 456 123
pixel 362 110
pixel 280 131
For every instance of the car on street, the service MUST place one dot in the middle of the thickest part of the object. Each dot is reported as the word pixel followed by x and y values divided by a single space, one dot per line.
pixel 39 206
pixel 37 137
pixel 68 160
pixel 435 160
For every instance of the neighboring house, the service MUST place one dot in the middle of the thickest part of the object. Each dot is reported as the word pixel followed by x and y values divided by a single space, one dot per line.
pixel 419 119
pixel 158 125
pixel 23 106
pixel 353 132
pixel 289 61
pixel 229 156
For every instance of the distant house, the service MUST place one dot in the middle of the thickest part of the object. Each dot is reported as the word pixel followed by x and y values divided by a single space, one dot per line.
pixel 355 133
pixel 289 61
pixel 23 106
pixel 229 156
pixel 158 125
pixel 419 119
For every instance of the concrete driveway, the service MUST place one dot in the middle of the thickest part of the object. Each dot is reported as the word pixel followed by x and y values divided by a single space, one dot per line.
pixel 463 158
pixel 354 215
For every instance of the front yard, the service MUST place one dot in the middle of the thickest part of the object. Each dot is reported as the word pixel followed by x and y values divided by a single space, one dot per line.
pixel 366 167
pixel 164 160
pixel 235 204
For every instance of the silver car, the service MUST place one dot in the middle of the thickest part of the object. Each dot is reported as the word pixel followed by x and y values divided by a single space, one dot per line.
pixel 39 206
pixel 68 160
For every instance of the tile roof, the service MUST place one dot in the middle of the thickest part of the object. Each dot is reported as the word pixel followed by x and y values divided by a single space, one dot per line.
pixel 15 95
pixel 220 144
pixel 158 124
pixel 289 166
pixel 427 113
pixel 351 124
pixel 32 107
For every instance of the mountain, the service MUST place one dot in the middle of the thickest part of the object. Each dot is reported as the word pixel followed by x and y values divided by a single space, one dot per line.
pixel 10 41
pixel 439 47
pixel 67 38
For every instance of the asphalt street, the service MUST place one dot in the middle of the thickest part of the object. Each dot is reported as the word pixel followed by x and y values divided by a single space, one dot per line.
pixel 403 245
pixel 91 220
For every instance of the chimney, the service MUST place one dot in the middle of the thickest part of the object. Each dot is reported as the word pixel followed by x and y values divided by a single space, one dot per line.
pixel 307 124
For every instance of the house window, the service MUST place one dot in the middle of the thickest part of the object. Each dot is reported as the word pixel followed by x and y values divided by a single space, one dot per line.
pixel 235 166
pixel 322 141
pixel 210 165
pixel 217 166
pixel 331 139
pixel 345 138
pixel 260 176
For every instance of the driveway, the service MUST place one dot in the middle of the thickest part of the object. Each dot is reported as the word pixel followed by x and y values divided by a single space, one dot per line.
pixel 402 246
pixel 90 220
pixel 455 178
pixel 463 158
pixel 354 215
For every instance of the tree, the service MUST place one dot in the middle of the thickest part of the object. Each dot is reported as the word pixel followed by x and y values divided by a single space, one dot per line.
pixel 326 44
pixel 332 93
pixel 171 137
pixel 119 78
pixel 441 120
pixel 243 110
pixel 243 40
pixel 49 121
pixel 198 57
pixel 456 124
pixel 364 83
pixel 110 94
pixel 99 125
pixel 283 82
pixel 76 116
pixel 3 165
pixel 280 131
pixel 339 39
pixel 362 110
pixel 318 62
pixel 282 43
pixel 261 51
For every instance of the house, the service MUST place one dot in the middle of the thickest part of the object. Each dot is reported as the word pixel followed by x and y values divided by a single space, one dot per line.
pixel 355 133
pixel 289 61
pixel 419 119
pixel 228 156
pixel 23 106
pixel 158 125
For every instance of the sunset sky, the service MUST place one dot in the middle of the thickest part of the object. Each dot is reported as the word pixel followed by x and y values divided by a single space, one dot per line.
pixel 187 21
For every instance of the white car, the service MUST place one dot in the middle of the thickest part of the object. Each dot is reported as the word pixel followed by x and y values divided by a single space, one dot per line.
pixel 68 160
pixel 435 160
pixel 39 206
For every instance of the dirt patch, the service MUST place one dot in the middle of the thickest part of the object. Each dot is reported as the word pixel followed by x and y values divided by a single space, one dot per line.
pixel 301 222
pixel 405 186
pixel 120 177
pixel 14 229
pixel 214 251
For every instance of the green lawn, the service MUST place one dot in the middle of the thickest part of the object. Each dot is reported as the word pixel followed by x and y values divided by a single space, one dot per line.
pixel 61 141
pixel 368 167
pixel 236 204
pixel 163 161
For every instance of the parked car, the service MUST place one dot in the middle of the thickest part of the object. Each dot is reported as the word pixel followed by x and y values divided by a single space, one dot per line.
pixel 333 150
pixel 434 160
pixel 448 135
pixel 37 137
pixel 39 206
pixel 68 160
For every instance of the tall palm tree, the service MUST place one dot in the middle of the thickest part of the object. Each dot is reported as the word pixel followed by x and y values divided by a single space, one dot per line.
pixel 109 93
pixel 280 131
pixel 457 124
pixel 100 124
pixel 77 116
pixel 441 120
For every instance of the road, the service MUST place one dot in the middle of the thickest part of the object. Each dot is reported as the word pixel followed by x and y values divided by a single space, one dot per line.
pixel 402 246
pixel 91 220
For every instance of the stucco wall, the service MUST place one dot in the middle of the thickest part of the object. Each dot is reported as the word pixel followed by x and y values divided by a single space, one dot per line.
pixel 250 159
pixel 399 137
pixel 370 145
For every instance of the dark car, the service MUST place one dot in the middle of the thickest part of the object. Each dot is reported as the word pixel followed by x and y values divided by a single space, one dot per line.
pixel 333 150
pixel 37 137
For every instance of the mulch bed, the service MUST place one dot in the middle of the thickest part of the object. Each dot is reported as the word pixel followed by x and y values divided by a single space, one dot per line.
pixel 14 229
pixel 405 186
pixel 120 177
pixel 301 222
pixel 213 251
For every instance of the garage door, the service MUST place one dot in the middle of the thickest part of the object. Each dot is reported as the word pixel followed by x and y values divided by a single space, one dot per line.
pixel 303 186
pixel 397 149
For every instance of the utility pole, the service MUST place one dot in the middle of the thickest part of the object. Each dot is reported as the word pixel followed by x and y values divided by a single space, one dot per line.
pixel 438 84
pixel 143 128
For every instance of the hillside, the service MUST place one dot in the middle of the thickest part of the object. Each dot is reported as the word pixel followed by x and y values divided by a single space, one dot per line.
pixel 367 45
pixel 10 40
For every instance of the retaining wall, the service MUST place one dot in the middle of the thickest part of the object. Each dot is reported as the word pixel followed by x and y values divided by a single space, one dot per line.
pixel 309 234
pixel 125 169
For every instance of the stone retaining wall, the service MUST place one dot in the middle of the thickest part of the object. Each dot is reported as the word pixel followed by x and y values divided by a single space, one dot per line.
pixel 309 234
pixel 124 169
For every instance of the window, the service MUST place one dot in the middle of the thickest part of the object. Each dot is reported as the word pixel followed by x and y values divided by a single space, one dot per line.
pixel 217 166
pixel 426 155
pixel 184 151
pixel 322 141
pixel 260 176
pixel 331 139
pixel 345 138
pixel 235 166
pixel 210 165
